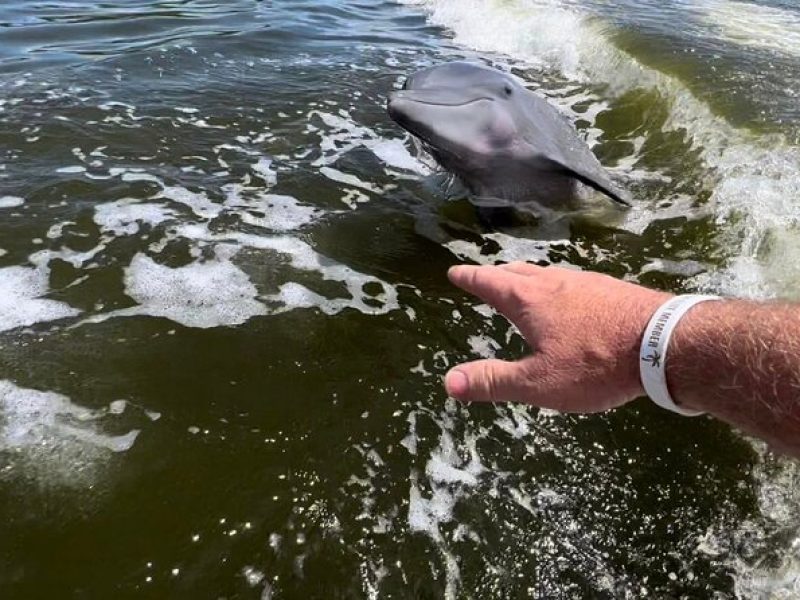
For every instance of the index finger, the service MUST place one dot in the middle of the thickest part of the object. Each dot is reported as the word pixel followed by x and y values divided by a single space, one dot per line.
pixel 522 268
pixel 495 286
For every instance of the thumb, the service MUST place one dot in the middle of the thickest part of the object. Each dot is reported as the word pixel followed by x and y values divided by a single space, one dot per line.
pixel 488 381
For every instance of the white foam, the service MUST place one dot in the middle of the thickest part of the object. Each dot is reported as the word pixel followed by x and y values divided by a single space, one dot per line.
pixel 511 249
pixel 21 304
pixel 541 32
pixel 303 257
pixel 52 439
pixel 344 135
pixel 201 294
pixel 130 175
pixel 280 212
pixel 215 292
pixel 757 208
pixel 77 259
pixel 107 106
pixel 123 217
pixel 72 169
pixel 483 345
pixel 197 201
pixel 352 198
pixel 263 168
pixel 33 418
pixel 56 230
pixel 639 217
pixel 394 153
pixel 427 514
pixel 450 479
pixel 348 179
pixel 753 25
pixel 11 201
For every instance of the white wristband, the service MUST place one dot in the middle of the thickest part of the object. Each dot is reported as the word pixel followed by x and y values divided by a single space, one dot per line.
pixel 653 351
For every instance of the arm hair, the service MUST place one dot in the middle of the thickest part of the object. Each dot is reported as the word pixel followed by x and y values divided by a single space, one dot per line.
pixel 740 361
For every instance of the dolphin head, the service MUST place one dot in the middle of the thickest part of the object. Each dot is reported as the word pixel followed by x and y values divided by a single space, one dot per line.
pixel 502 140
pixel 469 116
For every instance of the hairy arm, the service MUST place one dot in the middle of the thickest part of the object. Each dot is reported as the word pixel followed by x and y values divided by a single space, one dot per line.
pixel 738 361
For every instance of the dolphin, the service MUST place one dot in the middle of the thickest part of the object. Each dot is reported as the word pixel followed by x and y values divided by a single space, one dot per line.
pixel 503 141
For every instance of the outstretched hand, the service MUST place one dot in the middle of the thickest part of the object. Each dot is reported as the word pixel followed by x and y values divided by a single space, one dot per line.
pixel 584 330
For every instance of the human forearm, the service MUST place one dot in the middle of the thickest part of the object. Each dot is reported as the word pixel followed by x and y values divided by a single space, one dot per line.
pixel 740 362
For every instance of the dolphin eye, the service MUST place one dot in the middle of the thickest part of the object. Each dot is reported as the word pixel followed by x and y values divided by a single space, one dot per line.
pixel 508 89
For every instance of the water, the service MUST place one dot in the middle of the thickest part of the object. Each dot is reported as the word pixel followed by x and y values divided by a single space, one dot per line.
pixel 224 315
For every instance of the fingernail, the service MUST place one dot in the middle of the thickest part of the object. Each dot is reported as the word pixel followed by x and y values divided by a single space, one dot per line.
pixel 454 270
pixel 456 384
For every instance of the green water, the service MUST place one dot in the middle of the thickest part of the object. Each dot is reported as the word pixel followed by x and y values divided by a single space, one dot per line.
pixel 210 217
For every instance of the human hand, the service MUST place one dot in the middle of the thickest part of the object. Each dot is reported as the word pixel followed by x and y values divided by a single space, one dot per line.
pixel 584 328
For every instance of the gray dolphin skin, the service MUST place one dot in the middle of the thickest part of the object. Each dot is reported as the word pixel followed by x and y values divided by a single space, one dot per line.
pixel 502 140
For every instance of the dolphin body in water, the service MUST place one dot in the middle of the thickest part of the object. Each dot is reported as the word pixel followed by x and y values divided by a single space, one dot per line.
pixel 503 141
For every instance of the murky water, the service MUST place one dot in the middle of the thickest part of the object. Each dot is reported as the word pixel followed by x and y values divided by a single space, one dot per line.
pixel 224 315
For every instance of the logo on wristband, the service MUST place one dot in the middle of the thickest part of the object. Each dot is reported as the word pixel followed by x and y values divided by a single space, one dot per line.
pixel 654 359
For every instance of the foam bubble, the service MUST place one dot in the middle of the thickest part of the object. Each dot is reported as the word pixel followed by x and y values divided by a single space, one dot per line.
pixel 21 304
pixel 252 575
pixel 483 345
pixel 347 179
pixel 394 153
pixel 263 168
pixel 53 440
pixel 201 294
pixel 33 418
pixel 122 217
pixel 344 135
pixel 11 201
pixel 72 169
pixel 280 212
pixel 303 257
pixel 511 249
pixel 197 201
pixel 450 478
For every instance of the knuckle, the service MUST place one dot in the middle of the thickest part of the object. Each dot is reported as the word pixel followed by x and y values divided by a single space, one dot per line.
pixel 490 383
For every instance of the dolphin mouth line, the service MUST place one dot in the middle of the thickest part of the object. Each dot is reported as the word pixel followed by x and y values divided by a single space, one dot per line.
pixel 454 105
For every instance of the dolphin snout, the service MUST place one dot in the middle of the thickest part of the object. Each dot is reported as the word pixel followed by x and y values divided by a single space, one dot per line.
pixel 394 105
